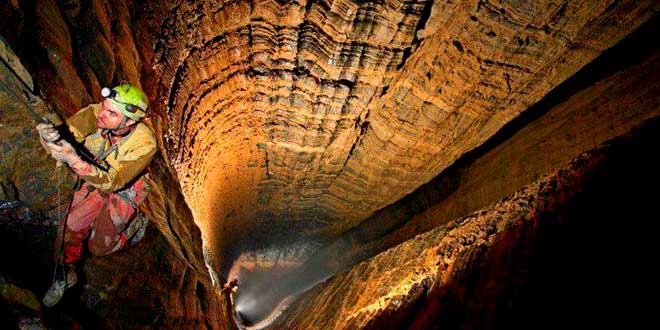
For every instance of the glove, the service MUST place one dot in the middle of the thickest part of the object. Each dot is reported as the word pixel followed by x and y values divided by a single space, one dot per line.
pixel 48 132
pixel 63 152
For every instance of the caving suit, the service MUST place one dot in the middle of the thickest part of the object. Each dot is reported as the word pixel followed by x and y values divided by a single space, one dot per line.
pixel 110 194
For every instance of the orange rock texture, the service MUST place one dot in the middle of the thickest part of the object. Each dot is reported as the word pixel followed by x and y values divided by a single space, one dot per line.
pixel 313 115
pixel 316 114
pixel 605 99
pixel 528 260
pixel 280 121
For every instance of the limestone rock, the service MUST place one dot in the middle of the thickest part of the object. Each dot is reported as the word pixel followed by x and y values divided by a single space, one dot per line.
pixel 283 120
pixel 320 113
pixel 605 99
pixel 480 271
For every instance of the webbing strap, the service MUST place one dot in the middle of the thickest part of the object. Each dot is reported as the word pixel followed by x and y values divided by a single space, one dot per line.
pixel 102 154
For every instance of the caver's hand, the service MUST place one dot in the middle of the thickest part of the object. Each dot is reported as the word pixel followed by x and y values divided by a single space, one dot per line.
pixel 63 152
pixel 48 132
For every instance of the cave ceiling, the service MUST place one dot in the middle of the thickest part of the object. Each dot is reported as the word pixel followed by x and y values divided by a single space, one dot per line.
pixel 305 117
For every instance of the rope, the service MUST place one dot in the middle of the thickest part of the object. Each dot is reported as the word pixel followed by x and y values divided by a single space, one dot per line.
pixel 15 73
pixel 36 116
pixel 26 90
pixel 29 103
pixel 61 230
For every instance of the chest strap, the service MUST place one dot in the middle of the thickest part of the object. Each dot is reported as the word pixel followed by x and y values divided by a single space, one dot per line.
pixel 114 147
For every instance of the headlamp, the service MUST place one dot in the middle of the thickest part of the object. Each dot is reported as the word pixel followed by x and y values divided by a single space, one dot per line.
pixel 112 95
pixel 108 93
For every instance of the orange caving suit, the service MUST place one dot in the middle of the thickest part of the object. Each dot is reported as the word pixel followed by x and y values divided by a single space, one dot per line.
pixel 109 197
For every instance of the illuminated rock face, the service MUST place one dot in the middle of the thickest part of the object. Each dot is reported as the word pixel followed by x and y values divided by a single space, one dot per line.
pixel 160 282
pixel 605 99
pixel 290 121
pixel 312 115
pixel 534 258
pixel 316 114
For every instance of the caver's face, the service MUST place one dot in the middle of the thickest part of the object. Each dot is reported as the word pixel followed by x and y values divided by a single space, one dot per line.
pixel 110 117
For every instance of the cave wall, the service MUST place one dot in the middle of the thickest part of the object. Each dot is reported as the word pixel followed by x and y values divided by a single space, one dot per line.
pixel 301 118
pixel 486 63
pixel 73 48
pixel 605 99
pixel 161 282
pixel 24 167
pixel 312 115
pixel 70 50
pixel 567 251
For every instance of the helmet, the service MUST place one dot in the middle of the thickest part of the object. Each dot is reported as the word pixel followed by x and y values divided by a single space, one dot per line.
pixel 130 100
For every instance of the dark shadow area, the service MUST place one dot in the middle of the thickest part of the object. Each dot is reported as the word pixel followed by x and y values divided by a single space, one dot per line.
pixel 591 265
pixel 586 262
pixel 28 252
pixel 28 264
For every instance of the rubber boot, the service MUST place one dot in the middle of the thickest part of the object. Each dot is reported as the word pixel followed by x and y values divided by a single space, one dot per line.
pixel 56 291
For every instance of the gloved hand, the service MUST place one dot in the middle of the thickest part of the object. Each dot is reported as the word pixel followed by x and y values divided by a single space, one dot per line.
pixel 48 132
pixel 63 152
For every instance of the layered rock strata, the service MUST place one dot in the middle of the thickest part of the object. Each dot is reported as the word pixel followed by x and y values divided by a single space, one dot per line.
pixel 297 118
pixel 312 115
pixel 559 252
pixel 606 98
pixel 316 114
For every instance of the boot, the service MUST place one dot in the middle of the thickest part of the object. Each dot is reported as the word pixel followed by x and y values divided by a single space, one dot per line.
pixel 56 291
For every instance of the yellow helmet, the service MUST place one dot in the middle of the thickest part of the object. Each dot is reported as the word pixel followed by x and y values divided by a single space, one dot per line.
pixel 130 100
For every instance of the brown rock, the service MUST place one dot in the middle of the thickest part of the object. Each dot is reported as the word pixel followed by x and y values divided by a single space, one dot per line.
pixel 300 119
pixel 488 269
pixel 55 68
pixel 160 282
pixel 605 99
pixel 352 110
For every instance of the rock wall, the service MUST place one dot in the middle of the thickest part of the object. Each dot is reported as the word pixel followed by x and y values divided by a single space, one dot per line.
pixel 305 117
pixel 299 119
pixel 161 282
pixel 302 118
pixel 569 250
pixel 605 99
pixel 71 49
pixel 487 62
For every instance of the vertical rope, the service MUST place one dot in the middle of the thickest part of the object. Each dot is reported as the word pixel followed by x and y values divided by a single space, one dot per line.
pixel 60 232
